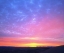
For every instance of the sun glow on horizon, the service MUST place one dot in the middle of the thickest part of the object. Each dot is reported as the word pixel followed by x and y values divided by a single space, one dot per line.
pixel 30 42
pixel 33 45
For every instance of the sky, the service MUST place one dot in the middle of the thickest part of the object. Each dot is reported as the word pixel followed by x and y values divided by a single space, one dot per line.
pixel 31 23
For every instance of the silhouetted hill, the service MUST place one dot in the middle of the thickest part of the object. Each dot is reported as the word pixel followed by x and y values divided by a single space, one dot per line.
pixel 59 49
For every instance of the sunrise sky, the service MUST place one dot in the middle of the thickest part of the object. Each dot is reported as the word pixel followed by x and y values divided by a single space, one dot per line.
pixel 31 23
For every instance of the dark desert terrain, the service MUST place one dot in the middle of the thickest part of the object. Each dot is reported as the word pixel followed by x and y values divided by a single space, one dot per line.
pixel 58 49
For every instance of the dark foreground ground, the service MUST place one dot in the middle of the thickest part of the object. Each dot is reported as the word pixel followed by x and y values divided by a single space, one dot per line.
pixel 58 49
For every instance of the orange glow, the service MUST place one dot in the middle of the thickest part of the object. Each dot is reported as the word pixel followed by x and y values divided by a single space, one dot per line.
pixel 28 42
